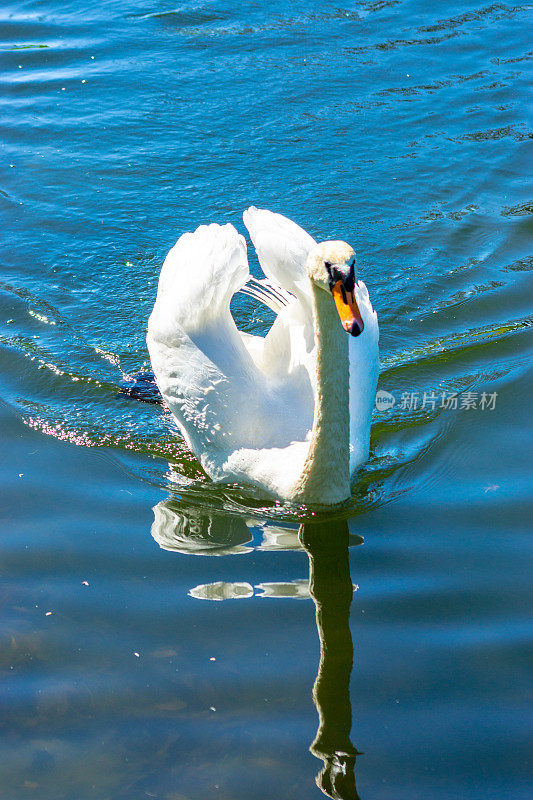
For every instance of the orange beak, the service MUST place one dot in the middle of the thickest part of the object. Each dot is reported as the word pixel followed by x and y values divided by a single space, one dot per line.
pixel 351 318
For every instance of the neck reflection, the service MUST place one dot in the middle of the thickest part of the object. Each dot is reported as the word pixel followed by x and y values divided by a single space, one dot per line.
pixel 331 588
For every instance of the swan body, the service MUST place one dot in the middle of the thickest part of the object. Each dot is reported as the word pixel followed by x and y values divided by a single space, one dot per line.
pixel 288 413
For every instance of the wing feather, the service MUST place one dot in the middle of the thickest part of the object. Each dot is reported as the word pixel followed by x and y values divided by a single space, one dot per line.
pixel 219 397
pixel 282 248
pixel 273 297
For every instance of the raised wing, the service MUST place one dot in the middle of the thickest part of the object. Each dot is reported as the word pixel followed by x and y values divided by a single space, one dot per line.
pixel 200 275
pixel 282 248
pixel 219 397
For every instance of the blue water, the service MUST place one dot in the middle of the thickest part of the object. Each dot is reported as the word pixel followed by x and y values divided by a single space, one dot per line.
pixel 131 666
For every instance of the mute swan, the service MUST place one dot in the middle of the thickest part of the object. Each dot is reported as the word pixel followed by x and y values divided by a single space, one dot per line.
pixel 288 413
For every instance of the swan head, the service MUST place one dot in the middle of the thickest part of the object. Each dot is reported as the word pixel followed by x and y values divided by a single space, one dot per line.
pixel 331 266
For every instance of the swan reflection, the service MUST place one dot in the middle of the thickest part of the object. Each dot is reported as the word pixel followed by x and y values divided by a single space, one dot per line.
pixel 222 590
pixel 331 588
pixel 194 531
pixel 329 585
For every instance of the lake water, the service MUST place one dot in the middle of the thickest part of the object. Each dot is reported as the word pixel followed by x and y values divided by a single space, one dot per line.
pixel 159 636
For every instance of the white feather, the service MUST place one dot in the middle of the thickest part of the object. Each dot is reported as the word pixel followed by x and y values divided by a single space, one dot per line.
pixel 245 404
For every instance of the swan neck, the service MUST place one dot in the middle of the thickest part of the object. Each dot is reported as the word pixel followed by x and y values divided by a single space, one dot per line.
pixel 326 473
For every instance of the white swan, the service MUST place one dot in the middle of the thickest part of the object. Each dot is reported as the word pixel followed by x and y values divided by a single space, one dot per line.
pixel 288 413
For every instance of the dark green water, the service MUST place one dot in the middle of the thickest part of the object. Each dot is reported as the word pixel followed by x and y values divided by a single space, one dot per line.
pixel 132 667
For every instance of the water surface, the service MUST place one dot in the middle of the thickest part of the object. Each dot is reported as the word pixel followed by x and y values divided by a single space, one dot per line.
pixel 133 668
